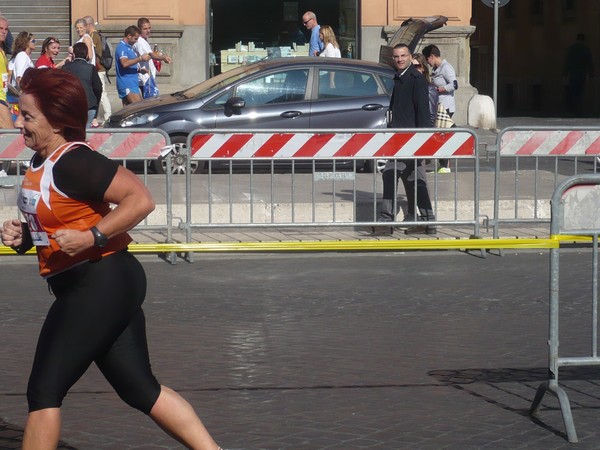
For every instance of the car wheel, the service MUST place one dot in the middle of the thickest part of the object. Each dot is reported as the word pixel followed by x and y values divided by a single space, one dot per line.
pixel 179 156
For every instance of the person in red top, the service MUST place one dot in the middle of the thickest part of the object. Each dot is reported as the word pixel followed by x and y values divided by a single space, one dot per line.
pixel 81 242
pixel 50 50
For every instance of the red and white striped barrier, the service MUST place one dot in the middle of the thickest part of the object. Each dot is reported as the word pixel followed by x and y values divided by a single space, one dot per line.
pixel 333 145
pixel 113 144
pixel 545 142
pixel 12 147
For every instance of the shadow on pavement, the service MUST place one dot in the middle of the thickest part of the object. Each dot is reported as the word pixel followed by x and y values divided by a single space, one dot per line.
pixel 511 375
pixel 494 385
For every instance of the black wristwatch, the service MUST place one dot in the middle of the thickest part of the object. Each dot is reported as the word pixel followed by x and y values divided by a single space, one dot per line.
pixel 100 239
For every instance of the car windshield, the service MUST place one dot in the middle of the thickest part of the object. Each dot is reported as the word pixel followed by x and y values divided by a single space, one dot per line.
pixel 214 84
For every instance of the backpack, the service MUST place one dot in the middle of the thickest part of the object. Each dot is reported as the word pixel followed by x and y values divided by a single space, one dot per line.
pixel 106 60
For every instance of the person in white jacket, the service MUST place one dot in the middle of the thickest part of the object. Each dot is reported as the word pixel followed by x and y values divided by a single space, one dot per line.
pixel 443 76
pixel 332 48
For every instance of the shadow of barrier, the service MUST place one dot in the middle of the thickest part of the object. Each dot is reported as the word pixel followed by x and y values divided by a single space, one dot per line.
pixel 574 213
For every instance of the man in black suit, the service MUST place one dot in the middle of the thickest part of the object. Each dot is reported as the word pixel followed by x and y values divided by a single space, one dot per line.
pixel 409 108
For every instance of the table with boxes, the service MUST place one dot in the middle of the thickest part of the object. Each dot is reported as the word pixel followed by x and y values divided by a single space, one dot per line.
pixel 246 54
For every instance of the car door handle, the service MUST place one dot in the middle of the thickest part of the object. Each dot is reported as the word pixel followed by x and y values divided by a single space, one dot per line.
pixel 291 114
pixel 372 107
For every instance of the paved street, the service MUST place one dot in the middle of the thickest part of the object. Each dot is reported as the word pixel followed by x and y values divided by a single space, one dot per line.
pixel 422 350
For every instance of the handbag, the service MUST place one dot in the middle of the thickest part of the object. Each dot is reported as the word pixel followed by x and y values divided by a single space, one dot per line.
pixel 150 89
pixel 442 118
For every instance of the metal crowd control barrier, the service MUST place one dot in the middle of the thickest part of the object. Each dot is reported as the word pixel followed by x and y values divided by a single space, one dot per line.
pixel 338 195
pixel 143 145
pixel 574 212
pixel 538 159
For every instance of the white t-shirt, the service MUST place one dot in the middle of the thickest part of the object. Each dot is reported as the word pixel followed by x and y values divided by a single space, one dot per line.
pixel 92 60
pixel 142 46
pixel 19 65
pixel 331 52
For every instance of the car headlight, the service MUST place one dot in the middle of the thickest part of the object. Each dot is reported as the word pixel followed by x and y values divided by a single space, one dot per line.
pixel 136 121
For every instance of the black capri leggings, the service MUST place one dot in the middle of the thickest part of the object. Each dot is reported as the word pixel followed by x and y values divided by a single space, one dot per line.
pixel 96 317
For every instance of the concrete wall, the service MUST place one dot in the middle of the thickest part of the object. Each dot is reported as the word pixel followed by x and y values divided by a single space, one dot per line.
pixel 394 12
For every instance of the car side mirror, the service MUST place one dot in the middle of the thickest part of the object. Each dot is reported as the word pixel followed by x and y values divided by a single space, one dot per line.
pixel 234 105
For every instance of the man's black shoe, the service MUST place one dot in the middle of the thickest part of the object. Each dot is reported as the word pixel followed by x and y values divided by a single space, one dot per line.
pixel 422 229
pixel 382 230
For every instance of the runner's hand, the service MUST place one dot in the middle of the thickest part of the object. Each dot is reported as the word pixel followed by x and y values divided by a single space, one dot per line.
pixel 12 233
pixel 73 242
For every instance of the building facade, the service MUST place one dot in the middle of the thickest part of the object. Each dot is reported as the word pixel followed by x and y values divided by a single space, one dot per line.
pixel 535 38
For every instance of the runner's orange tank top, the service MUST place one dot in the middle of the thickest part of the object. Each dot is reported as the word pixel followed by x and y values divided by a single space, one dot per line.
pixel 47 209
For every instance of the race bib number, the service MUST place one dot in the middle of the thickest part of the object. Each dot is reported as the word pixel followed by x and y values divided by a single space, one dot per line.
pixel 28 201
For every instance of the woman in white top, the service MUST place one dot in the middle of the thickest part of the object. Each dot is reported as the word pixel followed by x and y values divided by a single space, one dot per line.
pixel 81 28
pixel 21 61
pixel 332 48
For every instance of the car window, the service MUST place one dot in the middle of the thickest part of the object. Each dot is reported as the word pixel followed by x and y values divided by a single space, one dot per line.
pixel 214 84
pixel 279 87
pixel 346 83
pixel 388 83
pixel 220 100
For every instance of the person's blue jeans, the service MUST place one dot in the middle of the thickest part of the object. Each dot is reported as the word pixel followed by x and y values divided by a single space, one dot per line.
pixel 91 114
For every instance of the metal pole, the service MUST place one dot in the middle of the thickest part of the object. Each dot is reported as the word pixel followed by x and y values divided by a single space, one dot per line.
pixel 495 93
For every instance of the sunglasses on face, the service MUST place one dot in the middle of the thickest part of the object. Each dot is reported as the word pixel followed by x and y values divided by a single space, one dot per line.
pixel 307 21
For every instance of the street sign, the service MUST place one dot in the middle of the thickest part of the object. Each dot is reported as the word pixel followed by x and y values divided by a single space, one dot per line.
pixel 490 3
pixel 330 176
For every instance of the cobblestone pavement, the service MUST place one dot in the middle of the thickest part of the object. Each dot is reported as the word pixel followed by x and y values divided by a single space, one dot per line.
pixel 406 350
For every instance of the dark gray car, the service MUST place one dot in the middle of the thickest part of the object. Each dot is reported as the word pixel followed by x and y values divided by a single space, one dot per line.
pixel 283 93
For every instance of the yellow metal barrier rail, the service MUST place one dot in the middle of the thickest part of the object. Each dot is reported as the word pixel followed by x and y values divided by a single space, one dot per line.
pixel 324 246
